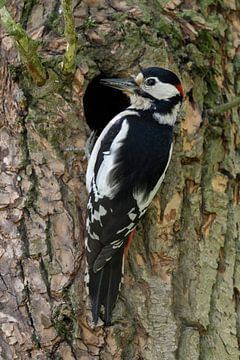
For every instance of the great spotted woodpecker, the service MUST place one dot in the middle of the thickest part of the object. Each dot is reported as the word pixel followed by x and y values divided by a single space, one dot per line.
pixel 125 170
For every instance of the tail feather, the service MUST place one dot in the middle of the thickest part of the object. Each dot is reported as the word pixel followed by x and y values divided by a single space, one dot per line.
pixel 114 280
pixel 95 285
pixel 104 287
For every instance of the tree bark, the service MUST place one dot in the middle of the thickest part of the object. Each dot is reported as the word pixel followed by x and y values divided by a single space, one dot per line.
pixel 181 295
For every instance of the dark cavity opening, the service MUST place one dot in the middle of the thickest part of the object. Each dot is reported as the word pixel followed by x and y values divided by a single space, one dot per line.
pixel 101 103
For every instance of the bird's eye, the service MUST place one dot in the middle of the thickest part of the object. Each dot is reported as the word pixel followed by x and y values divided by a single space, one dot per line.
pixel 150 82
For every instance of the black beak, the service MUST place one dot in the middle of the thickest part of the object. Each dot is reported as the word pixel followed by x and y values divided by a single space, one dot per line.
pixel 126 85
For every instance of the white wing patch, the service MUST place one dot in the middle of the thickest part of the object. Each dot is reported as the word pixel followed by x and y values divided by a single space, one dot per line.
pixel 129 228
pixel 95 214
pixel 104 186
pixel 86 245
pixel 97 196
pixel 116 244
pixel 94 236
pixel 97 146
pixel 132 216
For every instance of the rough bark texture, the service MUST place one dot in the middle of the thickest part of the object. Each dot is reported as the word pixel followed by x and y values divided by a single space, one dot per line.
pixel 181 297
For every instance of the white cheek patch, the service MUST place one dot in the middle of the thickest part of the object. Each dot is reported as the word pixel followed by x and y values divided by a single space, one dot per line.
pixel 161 91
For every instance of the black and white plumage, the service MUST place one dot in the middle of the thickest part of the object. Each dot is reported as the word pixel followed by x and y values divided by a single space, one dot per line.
pixel 125 170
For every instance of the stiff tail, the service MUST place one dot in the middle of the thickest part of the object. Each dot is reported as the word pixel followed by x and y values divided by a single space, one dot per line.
pixel 104 287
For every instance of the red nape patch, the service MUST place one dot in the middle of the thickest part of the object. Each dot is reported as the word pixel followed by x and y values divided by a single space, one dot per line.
pixel 180 89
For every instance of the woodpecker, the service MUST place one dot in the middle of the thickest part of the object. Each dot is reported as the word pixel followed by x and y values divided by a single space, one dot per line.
pixel 125 170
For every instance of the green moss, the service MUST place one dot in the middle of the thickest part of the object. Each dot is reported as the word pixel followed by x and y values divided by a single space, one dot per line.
pixel 88 23
pixel 197 56
pixel 63 321
pixel 204 5
pixel 209 47
pixel 26 11
pixel 205 43
pixel 151 37
pixel 44 274
pixel 169 30
pixel 119 17
pixel 236 63
pixel 162 2
pixel 33 191
pixel 36 340
pixel 13 71
pixel 148 12
pixel 24 238
pixel 126 342
pixel 48 233
pixel 53 20
pixel 192 17
pixel 198 91
pixel 24 149
pixel 218 25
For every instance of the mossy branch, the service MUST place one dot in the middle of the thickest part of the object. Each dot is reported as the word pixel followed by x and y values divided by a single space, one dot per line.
pixel 225 107
pixel 26 46
pixel 69 61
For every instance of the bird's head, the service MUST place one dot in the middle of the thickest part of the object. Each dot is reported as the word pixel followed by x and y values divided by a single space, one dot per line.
pixel 151 85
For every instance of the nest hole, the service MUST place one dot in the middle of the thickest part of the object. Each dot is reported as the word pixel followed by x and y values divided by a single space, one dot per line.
pixel 101 103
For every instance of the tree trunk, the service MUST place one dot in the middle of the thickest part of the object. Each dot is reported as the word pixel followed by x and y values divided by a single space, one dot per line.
pixel 181 295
